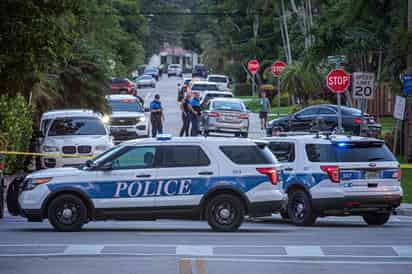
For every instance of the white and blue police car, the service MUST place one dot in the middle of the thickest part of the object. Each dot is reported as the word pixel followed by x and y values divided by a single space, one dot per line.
pixel 336 175
pixel 216 179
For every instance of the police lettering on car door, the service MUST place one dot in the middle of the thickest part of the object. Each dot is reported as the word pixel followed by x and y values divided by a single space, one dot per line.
pixel 150 188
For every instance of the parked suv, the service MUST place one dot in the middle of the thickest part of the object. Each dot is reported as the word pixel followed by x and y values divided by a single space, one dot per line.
pixel 174 70
pixel 325 118
pixel 70 136
pixel 213 179
pixel 337 175
pixel 225 115
pixel 127 120
pixel 222 81
pixel 199 71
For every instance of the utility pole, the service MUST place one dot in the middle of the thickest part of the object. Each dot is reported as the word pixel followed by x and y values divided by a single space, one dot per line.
pixel 408 121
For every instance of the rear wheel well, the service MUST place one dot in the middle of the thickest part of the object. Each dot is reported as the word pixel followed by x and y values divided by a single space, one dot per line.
pixel 215 193
pixel 87 202
pixel 297 187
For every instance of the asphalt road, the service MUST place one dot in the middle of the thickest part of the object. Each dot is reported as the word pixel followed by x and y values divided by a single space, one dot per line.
pixel 269 245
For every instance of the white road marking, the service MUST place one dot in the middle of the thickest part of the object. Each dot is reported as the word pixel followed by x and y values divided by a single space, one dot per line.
pixel 194 250
pixel 304 251
pixel 404 251
pixel 83 249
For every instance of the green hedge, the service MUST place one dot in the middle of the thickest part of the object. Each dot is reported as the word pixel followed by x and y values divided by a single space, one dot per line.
pixel 16 126
pixel 243 89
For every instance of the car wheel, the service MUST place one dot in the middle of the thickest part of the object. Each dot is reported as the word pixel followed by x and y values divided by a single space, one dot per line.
pixel 225 213
pixel 300 209
pixel 244 134
pixel 376 218
pixel 67 213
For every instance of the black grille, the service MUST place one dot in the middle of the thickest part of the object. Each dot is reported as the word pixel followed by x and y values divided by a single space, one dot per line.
pixel 123 121
pixel 69 150
pixel 84 149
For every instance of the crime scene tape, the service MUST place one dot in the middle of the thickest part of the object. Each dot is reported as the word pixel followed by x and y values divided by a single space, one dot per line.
pixel 46 154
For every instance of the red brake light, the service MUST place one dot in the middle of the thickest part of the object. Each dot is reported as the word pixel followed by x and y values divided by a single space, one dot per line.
pixel 270 172
pixel 396 175
pixel 333 173
pixel 358 121
pixel 243 116
pixel 214 114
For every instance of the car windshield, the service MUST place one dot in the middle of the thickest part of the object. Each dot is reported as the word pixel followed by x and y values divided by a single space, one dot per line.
pixel 130 105
pixel 77 126
pixel 218 79
pixel 145 77
pixel 227 105
pixel 203 87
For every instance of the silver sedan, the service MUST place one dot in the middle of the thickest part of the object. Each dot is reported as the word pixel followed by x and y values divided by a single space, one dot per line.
pixel 225 115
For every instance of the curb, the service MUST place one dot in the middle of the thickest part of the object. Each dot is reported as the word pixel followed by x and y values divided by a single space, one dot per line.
pixel 404 210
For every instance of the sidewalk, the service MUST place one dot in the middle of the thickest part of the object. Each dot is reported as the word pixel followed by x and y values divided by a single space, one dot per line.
pixel 404 210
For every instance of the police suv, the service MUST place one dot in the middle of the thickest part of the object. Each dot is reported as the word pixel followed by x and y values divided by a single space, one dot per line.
pixel 327 175
pixel 216 179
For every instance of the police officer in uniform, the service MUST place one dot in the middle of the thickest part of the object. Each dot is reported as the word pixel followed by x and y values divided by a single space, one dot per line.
pixel 195 117
pixel 156 116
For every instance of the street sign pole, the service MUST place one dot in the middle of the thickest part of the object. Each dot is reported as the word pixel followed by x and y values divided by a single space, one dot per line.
pixel 277 69
pixel 340 129
pixel 279 97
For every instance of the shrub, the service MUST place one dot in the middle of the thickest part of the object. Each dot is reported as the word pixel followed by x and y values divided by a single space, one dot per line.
pixel 16 125
pixel 243 89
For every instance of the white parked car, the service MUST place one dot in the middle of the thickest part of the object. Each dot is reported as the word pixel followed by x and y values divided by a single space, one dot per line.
pixel 213 179
pixel 69 136
pixel 222 81
pixel 127 120
pixel 146 80
pixel 209 95
pixel 202 86
pixel 174 70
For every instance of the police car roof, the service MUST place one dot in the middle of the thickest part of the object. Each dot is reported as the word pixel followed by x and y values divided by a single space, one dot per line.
pixel 115 97
pixel 192 140
pixel 69 113
pixel 323 138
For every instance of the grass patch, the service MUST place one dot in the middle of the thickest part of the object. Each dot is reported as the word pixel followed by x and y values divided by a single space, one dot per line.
pixel 407 185
pixel 252 103
pixel 388 124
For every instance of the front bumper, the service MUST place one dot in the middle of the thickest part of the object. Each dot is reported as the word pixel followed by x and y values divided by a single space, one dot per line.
pixel 71 160
pixel 124 133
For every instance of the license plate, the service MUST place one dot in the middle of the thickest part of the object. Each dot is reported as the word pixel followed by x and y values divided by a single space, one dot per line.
pixel 372 175
pixel 122 129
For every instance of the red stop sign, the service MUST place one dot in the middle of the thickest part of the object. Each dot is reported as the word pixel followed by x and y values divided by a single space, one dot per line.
pixel 277 68
pixel 253 66
pixel 337 80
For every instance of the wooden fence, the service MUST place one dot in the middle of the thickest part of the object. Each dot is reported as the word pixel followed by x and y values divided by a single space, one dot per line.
pixel 383 102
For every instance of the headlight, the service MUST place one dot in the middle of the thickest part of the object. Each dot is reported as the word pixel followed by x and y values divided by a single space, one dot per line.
pixel 50 149
pixel 32 183
pixel 142 119
pixel 106 119
pixel 102 148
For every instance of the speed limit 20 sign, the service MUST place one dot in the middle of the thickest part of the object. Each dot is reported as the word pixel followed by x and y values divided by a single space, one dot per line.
pixel 363 85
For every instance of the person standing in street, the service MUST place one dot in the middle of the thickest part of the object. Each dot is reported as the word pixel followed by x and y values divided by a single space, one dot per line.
pixel 186 108
pixel 264 108
pixel 195 115
pixel 156 116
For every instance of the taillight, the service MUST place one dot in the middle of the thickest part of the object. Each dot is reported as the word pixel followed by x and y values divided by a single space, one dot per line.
pixel 358 121
pixel 214 114
pixel 397 174
pixel 243 116
pixel 333 173
pixel 270 172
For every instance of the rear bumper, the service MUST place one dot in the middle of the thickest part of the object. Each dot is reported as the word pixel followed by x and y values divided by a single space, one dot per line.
pixel 352 205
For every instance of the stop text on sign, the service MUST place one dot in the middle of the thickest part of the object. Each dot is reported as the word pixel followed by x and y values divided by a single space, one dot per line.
pixel 253 66
pixel 277 68
pixel 337 80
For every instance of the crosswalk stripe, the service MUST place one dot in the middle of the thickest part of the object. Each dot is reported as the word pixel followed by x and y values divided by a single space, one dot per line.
pixel 83 249
pixel 304 251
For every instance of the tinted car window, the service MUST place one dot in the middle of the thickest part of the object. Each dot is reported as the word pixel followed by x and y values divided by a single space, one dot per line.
pixel 284 152
pixel 351 111
pixel 135 158
pixel 77 126
pixel 130 105
pixel 350 153
pixel 203 87
pixel 218 79
pixel 309 111
pixel 326 111
pixel 183 156
pixel 227 105
pixel 248 155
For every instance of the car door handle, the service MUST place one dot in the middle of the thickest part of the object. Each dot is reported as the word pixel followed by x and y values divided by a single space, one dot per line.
pixel 143 176
pixel 205 173
pixel 288 169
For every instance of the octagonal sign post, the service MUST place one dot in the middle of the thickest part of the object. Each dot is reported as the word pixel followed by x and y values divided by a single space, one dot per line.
pixel 338 81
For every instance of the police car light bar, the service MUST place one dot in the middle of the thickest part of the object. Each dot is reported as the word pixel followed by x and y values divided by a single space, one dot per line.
pixel 164 137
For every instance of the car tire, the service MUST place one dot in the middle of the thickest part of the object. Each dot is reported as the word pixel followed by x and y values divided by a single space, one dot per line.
pixel 300 209
pixel 225 213
pixel 76 214
pixel 376 218
pixel 245 134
